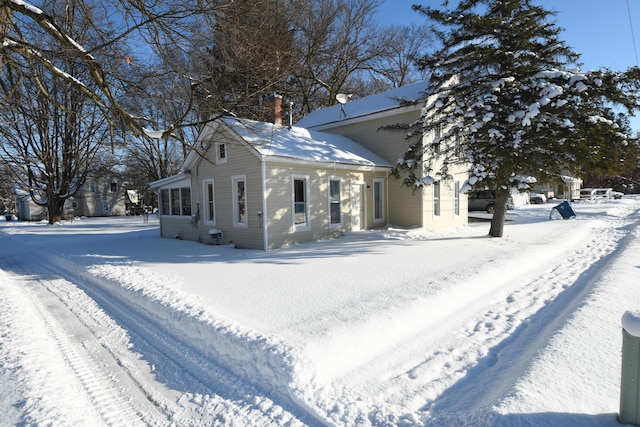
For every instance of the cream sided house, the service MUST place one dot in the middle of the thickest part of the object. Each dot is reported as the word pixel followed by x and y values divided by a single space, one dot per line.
pixel 98 196
pixel 437 206
pixel 262 185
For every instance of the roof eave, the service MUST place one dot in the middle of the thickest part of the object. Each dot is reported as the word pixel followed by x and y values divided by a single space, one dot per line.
pixel 390 112
pixel 155 185
pixel 326 164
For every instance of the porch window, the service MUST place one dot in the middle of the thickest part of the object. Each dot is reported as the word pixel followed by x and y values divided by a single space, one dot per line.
pixel 300 203
pixel 164 200
pixel 436 198
pixel 335 210
pixel 185 201
pixel 209 202
pixel 378 200
pixel 239 183
pixel 175 201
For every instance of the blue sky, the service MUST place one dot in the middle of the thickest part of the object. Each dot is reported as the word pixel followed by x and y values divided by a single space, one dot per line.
pixel 598 29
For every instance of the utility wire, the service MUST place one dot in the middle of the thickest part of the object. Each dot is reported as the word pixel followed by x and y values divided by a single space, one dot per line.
pixel 633 37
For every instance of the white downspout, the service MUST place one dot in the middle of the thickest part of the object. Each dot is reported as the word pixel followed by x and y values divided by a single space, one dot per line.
pixel 265 227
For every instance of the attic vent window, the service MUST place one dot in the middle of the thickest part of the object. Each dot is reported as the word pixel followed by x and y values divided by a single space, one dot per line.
pixel 221 152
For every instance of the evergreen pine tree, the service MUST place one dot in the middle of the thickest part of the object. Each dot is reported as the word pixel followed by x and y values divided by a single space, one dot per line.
pixel 506 95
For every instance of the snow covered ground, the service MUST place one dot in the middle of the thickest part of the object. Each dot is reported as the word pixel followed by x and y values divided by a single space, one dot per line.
pixel 102 322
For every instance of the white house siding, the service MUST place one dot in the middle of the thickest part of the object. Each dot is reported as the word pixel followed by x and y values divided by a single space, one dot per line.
pixel 279 184
pixel 279 197
pixel 408 206
pixel 448 218
pixel 179 227
pixel 388 144
pixel 405 204
pixel 240 161
pixel 28 210
pixel 95 195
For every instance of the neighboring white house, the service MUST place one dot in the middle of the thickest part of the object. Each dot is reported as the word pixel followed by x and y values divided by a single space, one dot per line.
pixel 26 208
pixel 263 185
pixel 103 196
pixel 100 196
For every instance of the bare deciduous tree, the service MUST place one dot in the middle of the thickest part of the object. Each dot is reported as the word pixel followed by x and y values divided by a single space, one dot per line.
pixel 52 127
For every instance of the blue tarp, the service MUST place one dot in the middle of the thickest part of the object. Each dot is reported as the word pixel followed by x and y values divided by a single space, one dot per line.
pixel 565 210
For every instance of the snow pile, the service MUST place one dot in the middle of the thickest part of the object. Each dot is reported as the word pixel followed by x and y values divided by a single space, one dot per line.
pixel 389 327
pixel 631 322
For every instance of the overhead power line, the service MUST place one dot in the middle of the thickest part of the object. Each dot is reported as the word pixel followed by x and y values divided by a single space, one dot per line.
pixel 633 37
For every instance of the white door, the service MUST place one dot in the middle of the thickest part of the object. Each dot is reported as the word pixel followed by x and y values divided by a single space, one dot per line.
pixel 356 207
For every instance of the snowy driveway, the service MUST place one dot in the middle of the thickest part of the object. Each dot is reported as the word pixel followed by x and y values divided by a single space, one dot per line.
pixel 377 328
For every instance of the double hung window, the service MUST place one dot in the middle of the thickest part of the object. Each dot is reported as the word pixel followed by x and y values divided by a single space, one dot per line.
pixel 239 189
pixel 300 202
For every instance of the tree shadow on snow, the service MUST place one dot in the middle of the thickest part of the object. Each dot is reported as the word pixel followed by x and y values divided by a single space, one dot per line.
pixel 539 419
pixel 493 377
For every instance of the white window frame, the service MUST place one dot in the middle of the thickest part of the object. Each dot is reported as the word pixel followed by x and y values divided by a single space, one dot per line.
pixel 175 208
pixel 185 205
pixel 437 199
pixel 378 184
pixel 237 223
pixel 437 134
pixel 209 206
pixel 333 202
pixel 105 206
pixel 222 147
pixel 165 202
pixel 306 226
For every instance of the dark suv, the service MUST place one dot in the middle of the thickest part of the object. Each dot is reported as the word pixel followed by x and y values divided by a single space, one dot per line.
pixel 485 200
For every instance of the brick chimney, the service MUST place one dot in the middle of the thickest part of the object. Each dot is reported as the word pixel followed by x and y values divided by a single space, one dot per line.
pixel 274 111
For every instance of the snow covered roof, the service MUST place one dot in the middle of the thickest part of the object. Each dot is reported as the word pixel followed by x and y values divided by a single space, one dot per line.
pixel 171 180
pixel 133 196
pixel 296 143
pixel 395 98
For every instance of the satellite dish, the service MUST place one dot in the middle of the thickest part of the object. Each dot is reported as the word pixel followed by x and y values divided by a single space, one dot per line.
pixel 342 98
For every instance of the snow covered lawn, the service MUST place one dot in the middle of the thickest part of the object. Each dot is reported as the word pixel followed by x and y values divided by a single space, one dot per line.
pixel 104 322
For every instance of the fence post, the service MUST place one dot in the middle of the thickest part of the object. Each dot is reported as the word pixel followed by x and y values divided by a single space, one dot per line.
pixel 630 377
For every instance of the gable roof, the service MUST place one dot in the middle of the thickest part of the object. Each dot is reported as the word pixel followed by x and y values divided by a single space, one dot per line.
pixel 276 142
pixel 405 96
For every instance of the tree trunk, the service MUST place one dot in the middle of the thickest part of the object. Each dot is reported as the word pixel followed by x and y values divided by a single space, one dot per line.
pixel 500 213
pixel 55 207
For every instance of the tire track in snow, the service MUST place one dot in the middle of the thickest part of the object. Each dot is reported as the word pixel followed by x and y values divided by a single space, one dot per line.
pixel 481 349
pixel 114 396
pixel 202 392
pixel 525 322
pixel 207 387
